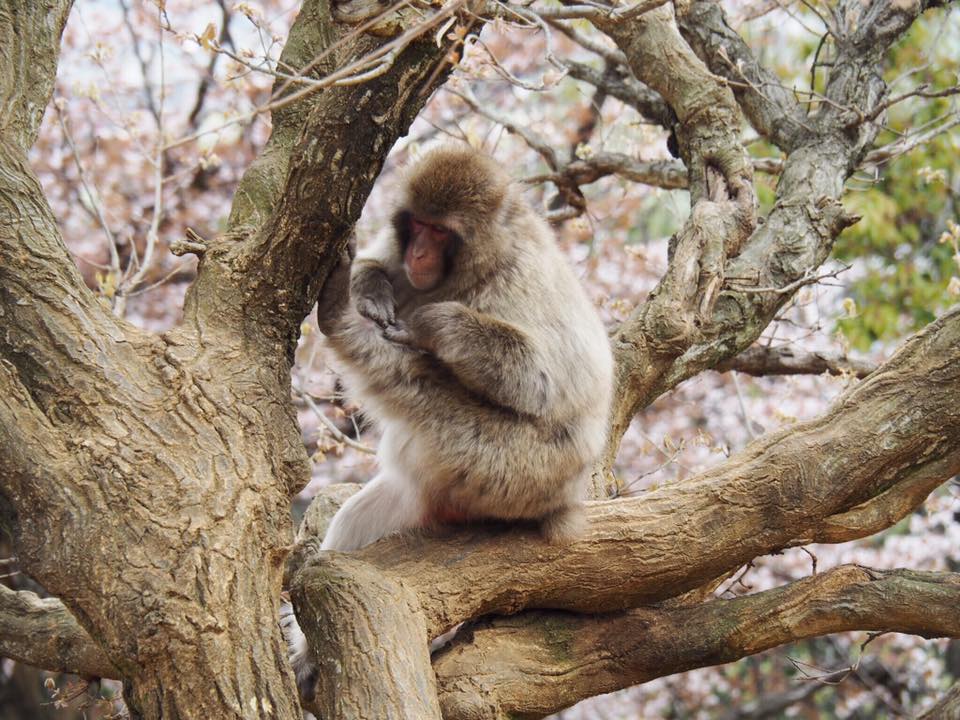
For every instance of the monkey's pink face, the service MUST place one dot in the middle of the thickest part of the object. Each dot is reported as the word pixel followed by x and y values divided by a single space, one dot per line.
pixel 427 254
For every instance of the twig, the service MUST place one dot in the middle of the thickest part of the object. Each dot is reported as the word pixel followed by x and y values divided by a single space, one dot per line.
pixel 808 279
pixel 909 142
pixel 541 146
pixel 347 75
pixel 94 199
pixel 329 424
pixel 610 54
pixel 919 91
pixel 133 280
pixel 743 407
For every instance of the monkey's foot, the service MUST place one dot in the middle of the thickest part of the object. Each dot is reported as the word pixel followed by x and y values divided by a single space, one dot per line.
pixel 304 668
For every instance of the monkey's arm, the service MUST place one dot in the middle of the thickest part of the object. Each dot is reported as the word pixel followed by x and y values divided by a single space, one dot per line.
pixel 488 356
pixel 370 285
pixel 371 282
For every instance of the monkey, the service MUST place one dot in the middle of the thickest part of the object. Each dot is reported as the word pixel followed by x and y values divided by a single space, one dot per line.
pixel 467 337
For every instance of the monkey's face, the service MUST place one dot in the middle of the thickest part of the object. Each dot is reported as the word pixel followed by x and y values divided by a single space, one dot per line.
pixel 428 250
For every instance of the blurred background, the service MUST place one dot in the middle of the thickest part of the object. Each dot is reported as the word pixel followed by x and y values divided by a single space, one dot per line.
pixel 159 109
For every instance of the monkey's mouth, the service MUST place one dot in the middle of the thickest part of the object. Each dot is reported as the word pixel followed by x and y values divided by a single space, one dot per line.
pixel 423 280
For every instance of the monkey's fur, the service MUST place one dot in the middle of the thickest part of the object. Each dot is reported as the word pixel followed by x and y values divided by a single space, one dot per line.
pixel 496 407
pixel 493 388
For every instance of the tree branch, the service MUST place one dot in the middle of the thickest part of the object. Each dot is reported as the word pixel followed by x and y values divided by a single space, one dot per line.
pixel 709 119
pixel 540 663
pixel 667 174
pixel 42 632
pixel 947 708
pixel 771 107
pixel 659 346
pixel 867 462
pixel 30 47
pixel 760 360
pixel 621 84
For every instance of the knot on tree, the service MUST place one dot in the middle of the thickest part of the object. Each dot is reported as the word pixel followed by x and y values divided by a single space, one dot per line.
pixel 680 310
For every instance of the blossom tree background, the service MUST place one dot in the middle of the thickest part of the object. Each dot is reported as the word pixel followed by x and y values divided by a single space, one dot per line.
pixel 159 110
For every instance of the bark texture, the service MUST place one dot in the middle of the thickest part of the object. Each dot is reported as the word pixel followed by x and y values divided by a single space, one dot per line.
pixel 542 662
pixel 147 480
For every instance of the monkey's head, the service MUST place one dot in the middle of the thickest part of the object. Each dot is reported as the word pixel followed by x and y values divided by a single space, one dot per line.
pixel 449 209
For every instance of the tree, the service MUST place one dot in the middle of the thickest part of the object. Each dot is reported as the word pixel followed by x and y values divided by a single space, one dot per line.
pixel 147 478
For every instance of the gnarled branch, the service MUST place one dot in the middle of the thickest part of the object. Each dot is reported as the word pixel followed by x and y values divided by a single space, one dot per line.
pixel 539 663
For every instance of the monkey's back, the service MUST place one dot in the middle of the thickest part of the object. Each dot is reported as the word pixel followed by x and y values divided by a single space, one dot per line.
pixel 491 460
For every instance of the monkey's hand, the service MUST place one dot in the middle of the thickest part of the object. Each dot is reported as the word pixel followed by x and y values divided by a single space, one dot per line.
pixel 371 287
pixel 335 294
pixel 399 333
pixel 434 324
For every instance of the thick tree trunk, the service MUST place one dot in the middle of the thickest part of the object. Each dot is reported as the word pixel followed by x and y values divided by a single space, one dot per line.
pixel 147 480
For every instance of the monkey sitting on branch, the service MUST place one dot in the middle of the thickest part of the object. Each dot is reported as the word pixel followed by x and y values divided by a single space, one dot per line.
pixel 472 344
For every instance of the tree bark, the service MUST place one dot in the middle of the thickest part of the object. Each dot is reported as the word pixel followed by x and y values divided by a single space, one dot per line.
pixel 147 479
pixel 540 663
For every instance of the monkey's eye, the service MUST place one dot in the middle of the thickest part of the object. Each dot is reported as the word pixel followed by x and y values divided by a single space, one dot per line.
pixel 418 226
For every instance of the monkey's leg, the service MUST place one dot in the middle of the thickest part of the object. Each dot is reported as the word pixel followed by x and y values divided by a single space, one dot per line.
pixel 385 505
pixel 304 669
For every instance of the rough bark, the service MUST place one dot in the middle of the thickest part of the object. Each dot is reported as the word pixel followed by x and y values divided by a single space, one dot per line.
pixel 539 663
pixel 370 641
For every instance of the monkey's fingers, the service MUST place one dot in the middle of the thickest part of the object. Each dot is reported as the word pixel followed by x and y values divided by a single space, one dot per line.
pixel 381 310
pixel 399 333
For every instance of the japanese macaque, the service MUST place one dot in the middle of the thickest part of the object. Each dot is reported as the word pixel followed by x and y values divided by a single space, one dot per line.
pixel 470 341
pixel 473 345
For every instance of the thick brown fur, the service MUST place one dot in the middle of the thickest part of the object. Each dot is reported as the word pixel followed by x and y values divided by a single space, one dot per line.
pixel 496 406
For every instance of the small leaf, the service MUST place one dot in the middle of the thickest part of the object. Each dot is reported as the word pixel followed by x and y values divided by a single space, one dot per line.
pixel 208 39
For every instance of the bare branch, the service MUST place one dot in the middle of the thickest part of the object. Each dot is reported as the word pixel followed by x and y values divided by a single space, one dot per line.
pixel 92 195
pixel 43 633
pixel 537 143
pixel 625 88
pixel 328 424
pixel 947 708
pixel 523 669
pixel 610 54
pixel 760 360
pixel 584 11
pixel 921 91
pixel 668 174
pixel 30 35
pixel 132 278
pixel 772 109
pixel 910 141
